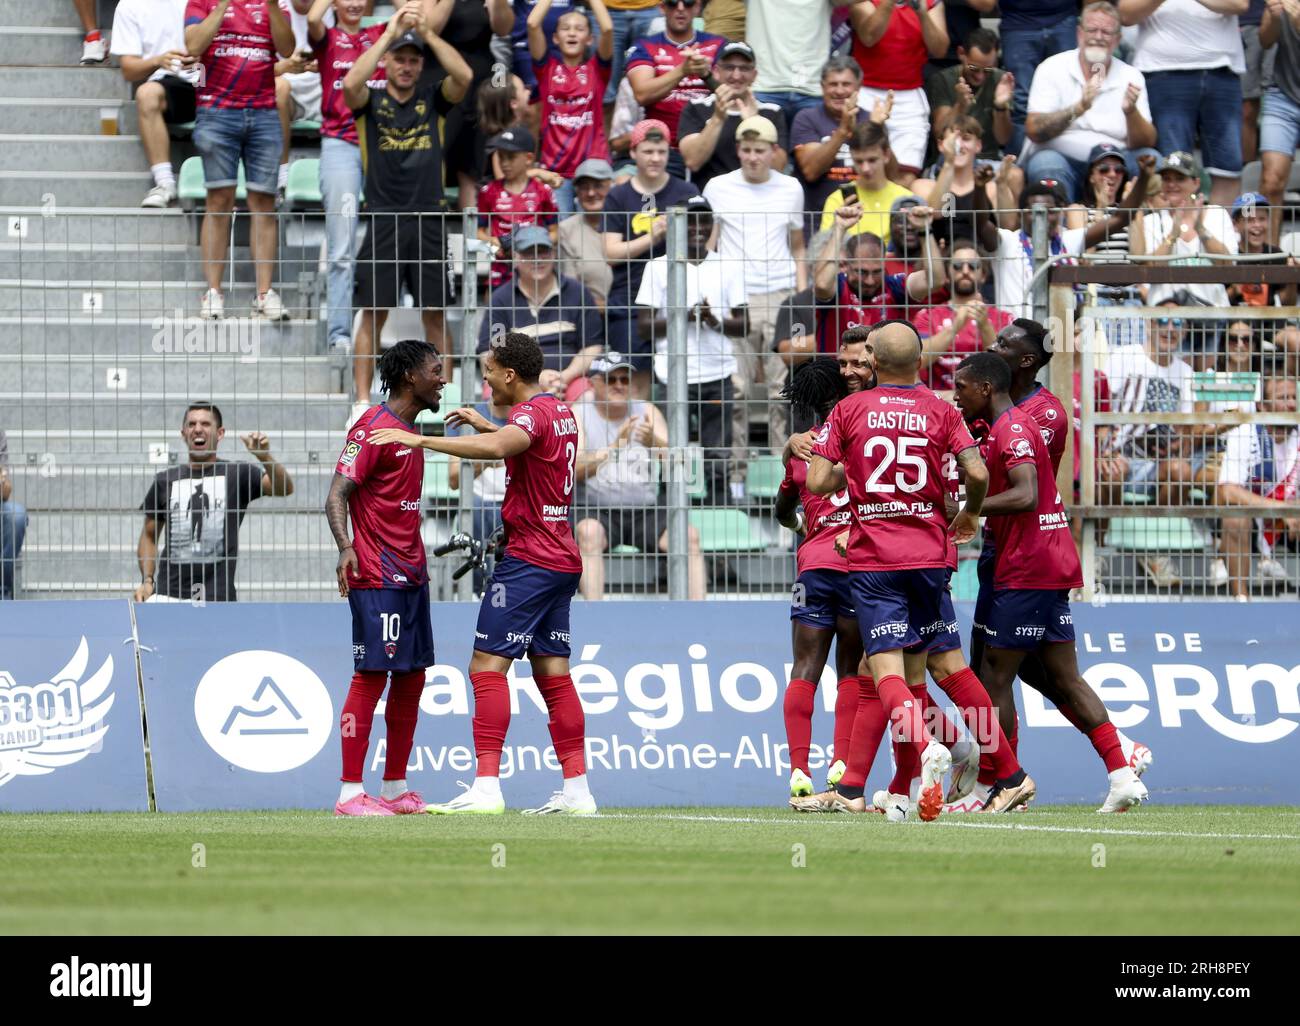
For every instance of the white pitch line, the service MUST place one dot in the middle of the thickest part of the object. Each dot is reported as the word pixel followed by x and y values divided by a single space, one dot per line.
pixel 960 823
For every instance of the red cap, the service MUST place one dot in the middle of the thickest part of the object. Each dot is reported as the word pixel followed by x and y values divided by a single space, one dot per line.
pixel 644 128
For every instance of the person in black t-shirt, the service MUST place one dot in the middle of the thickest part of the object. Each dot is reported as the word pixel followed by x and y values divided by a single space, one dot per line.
pixel 200 506
pixel 398 128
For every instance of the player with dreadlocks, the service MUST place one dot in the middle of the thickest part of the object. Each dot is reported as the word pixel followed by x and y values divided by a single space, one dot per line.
pixel 382 573
pixel 821 609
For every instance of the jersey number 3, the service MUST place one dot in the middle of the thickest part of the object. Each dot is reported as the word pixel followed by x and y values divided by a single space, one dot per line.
pixel 903 457
pixel 570 457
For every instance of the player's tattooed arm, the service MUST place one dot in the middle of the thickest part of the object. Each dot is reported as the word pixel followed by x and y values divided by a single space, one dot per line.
pixel 825 477
pixel 336 513
pixel 976 475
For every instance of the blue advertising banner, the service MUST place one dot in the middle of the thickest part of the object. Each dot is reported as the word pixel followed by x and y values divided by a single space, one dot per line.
pixel 70 735
pixel 683 704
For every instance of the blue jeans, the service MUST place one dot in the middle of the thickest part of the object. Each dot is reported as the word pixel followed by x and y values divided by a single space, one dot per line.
pixel 340 191
pixel 1184 101
pixel 565 201
pixel 1022 51
pixel 790 103
pixel 1279 122
pixel 1073 173
pixel 224 136
pixel 13 528
pixel 629 26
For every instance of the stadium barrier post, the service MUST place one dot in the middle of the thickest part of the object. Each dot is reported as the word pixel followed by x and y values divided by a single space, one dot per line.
pixel 467 373
pixel 1038 236
pixel 1087 473
pixel 678 414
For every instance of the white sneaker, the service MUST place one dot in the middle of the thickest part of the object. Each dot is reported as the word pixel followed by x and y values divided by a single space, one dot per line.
pixel 800 784
pixel 1219 573
pixel 836 773
pixel 95 52
pixel 896 807
pixel 965 771
pixel 1124 794
pixel 1272 570
pixel 935 762
pixel 471 802
pixel 358 411
pixel 213 306
pixel 973 802
pixel 159 196
pixel 560 804
pixel 268 305
pixel 1161 571
pixel 1140 759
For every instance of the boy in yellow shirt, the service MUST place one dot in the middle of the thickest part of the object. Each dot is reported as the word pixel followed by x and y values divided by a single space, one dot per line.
pixel 869 148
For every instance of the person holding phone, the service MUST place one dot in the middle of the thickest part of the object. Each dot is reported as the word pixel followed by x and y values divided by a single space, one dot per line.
pixel 871 189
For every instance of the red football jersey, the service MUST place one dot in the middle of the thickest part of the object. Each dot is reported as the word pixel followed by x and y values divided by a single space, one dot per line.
pixel 335 53
pixel 662 54
pixel 1048 413
pixel 502 211
pixel 239 64
pixel 826 517
pixel 385 506
pixel 1034 550
pixel 572 115
pixel 892 441
pixel 539 486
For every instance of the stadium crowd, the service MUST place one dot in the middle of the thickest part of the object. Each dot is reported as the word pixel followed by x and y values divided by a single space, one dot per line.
pixel 880 162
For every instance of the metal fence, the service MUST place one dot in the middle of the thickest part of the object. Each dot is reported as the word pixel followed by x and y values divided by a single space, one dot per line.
pixel 102 349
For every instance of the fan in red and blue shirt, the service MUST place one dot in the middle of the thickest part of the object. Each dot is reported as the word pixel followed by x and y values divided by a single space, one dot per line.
pixel 1028 609
pixel 667 70
pixel 515 200
pixel 240 52
pixel 382 572
pixel 525 611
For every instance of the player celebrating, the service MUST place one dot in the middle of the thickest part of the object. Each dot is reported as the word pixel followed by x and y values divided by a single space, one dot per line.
pixel 1036 566
pixel 887 445
pixel 526 610
pixel 382 573
pixel 821 609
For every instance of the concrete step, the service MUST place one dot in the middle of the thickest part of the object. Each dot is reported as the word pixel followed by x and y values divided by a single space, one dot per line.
pixel 125 297
pixel 180 374
pixel 41 13
pixel 42 45
pixel 123 488
pixel 31 446
pixel 61 224
pixel 54 153
pixel 45 410
pixel 21 79
pixel 131 337
pixel 255 591
pixel 107 261
pixel 40 116
pixel 264 526
pixel 53 189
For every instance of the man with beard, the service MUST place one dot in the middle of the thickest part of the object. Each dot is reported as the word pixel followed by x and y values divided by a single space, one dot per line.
pixel 963 325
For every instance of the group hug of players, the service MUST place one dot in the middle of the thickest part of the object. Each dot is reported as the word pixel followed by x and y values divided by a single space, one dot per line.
pixel 873 489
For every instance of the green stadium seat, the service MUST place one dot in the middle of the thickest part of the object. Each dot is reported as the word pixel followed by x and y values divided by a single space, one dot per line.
pixel 303 187
pixel 305 126
pixel 625 550
pixel 966 582
pixel 437 478
pixel 1153 534
pixel 450 401
pixel 696 488
pixel 726 530
pixel 1135 498
pixel 764 476
pixel 1224 386
pixel 190 188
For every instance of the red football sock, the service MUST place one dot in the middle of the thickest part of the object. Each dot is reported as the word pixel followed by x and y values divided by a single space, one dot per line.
pixel 491 720
pixel 400 716
pixel 846 710
pixel 798 710
pixel 354 722
pixel 868 728
pixel 567 723
pixel 907 761
pixel 941 727
pixel 905 713
pixel 93 37
pixel 1106 741
pixel 981 719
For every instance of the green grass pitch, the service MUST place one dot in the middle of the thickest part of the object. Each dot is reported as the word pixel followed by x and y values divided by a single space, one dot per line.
pixel 1189 869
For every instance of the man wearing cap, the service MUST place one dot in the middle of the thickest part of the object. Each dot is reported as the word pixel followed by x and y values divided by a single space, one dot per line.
pixel 581 238
pixel 515 199
pixel 618 498
pixel 1185 227
pixel 1013 268
pixel 707 131
pixel 759 213
pixel 1083 97
pixel 1250 218
pixel 669 68
pixel 399 129
pixel 538 301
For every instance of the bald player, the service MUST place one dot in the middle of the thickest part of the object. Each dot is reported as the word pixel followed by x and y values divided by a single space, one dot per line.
pixel 887 447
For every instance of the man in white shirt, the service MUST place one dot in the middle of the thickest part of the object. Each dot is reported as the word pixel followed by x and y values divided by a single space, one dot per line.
pixel 759 213
pixel 716 314
pixel 1260 469
pixel 1191 54
pixel 149 42
pixel 1082 98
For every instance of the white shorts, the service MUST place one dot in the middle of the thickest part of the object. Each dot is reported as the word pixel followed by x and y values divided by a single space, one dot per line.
pixel 306 92
pixel 908 125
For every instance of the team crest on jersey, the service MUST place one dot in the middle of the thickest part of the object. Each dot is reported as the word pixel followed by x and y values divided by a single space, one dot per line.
pixel 359 435
pixel 390 648
pixel 1051 413
pixel 1048 434
pixel 421 108
pixel 822 434
pixel 350 452
pixel 526 422
pixel 1017 428
pixel 1021 447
